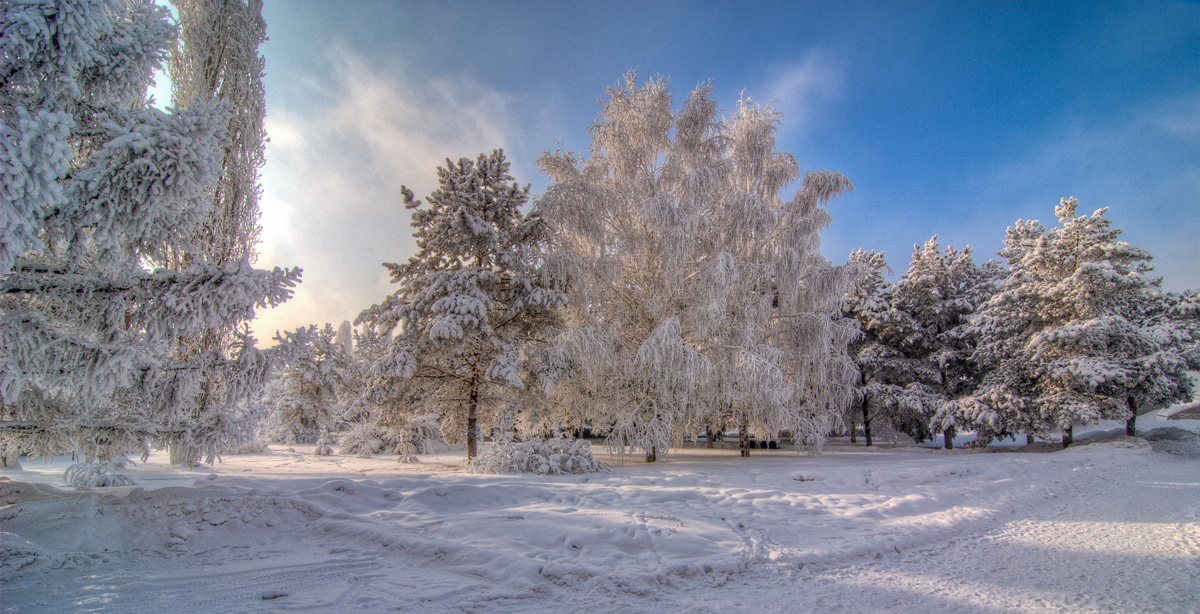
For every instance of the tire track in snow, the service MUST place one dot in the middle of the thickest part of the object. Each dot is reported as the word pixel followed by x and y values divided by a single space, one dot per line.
pixel 229 591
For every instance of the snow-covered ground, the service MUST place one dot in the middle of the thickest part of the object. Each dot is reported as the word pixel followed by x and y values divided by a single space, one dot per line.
pixel 1105 527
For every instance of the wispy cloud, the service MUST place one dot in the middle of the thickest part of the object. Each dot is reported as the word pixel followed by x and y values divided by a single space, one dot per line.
pixel 798 90
pixel 331 201
pixel 1144 166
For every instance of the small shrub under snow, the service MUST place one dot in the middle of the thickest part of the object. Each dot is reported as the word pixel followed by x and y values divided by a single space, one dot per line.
pixel 97 474
pixel 405 436
pixel 538 456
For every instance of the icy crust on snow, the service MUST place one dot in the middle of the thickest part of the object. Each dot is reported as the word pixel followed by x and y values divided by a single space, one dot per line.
pixel 633 530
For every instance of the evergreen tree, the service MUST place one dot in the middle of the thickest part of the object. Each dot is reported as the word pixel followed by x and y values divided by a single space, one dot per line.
pixel 470 300
pixel 881 353
pixel 934 301
pixel 1065 337
pixel 96 188
pixel 305 403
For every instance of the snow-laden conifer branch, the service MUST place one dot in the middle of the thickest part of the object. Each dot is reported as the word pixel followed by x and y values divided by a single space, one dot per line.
pixel 101 189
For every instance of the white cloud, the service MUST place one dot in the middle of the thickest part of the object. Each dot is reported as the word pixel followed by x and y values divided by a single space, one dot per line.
pixel 335 164
pixel 798 89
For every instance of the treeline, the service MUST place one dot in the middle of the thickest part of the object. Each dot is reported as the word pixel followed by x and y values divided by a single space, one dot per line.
pixel 662 288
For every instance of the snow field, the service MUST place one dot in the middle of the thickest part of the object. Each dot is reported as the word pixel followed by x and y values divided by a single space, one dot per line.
pixel 289 531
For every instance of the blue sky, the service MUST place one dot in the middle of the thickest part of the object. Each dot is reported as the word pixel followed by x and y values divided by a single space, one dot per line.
pixel 952 118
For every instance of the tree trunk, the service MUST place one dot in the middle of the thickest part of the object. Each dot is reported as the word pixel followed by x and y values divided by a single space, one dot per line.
pixel 1029 440
pixel 652 455
pixel 745 438
pixel 709 431
pixel 853 430
pixel 1131 423
pixel 1068 435
pixel 948 437
pixel 472 418
pixel 866 422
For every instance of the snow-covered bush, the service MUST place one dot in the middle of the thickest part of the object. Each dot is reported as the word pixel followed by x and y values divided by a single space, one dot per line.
pixel 325 444
pixel 100 474
pixel 538 456
pixel 404 436
pixel 362 440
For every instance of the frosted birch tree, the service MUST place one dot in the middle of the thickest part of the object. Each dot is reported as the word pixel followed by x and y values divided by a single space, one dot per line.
pixel 470 301
pixel 691 279
pixel 1064 337
pixel 217 58
pixel 97 187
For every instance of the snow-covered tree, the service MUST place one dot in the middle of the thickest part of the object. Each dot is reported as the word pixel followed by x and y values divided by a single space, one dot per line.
pixel 1158 352
pixel 96 188
pixel 470 300
pixel 378 407
pixel 884 369
pixel 345 338
pixel 1065 337
pixel 1183 309
pixel 218 58
pixel 933 303
pixel 304 405
pixel 694 285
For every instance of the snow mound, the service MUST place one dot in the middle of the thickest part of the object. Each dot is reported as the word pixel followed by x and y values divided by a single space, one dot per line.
pixel 1174 441
pixel 538 456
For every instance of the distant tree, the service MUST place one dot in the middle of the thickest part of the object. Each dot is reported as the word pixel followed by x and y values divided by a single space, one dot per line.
pixel 97 187
pixel 1065 337
pixel 470 300
pixel 304 405
pixel 699 298
pixel 345 338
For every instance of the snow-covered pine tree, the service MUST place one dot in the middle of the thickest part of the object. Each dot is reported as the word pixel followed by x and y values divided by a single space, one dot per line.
pixel 1158 353
pixel 1183 309
pixel 692 281
pixel 1063 337
pixel 95 187
pixel 933 302
pixel 884 368
pixel 470 300
pixel 306 402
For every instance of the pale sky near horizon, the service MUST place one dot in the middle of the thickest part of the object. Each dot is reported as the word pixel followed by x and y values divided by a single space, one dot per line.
pixel 951 118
